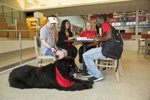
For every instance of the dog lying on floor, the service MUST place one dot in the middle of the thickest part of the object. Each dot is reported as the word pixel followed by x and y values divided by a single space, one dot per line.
pixel 59 75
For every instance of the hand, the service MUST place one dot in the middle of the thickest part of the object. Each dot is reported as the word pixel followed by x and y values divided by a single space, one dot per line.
pixel 53 50
pixel 77 36
pixel 96 38
pixel 56 47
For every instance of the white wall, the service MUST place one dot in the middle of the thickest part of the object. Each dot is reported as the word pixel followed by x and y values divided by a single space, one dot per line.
pixel 12 45
pixel 75 20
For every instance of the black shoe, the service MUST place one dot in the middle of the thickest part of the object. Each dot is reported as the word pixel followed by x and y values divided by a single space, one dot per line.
pixel 95 79
pixel 87 75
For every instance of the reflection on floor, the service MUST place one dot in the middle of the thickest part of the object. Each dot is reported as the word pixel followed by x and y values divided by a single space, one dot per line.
pixel 134 85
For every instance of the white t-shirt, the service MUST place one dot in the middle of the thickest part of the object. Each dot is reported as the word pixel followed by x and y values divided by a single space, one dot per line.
pixel 48 34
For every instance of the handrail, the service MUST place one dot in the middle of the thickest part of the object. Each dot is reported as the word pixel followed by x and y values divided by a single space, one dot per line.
pixel 19 39
pixel 13 17
pixel 17 30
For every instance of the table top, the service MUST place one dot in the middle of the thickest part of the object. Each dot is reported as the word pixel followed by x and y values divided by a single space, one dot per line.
pixel 80 41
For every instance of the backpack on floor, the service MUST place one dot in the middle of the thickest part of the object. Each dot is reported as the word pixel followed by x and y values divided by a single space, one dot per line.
pixel 113 48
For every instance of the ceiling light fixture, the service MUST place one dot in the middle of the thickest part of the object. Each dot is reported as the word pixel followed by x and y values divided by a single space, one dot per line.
pixel 31 1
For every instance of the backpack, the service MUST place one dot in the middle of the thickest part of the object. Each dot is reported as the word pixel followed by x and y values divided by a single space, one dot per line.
pixel 113 48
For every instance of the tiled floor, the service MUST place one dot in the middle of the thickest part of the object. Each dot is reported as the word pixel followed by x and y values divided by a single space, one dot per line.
pixel 134 85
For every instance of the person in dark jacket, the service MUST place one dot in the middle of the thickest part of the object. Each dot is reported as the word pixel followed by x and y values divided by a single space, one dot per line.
pixel 66 34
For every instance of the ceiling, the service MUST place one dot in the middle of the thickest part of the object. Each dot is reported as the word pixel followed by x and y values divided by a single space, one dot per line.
pixel 118 8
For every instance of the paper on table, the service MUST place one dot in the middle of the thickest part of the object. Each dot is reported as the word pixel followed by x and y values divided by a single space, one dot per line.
pixel 83 38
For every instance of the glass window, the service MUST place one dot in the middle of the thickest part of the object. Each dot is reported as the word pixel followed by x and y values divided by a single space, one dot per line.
pixel 23 16
pixel 127 23
pixel 8 14
pixel 16 15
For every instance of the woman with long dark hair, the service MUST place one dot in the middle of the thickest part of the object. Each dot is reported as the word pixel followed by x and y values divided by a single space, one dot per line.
pixel 66 34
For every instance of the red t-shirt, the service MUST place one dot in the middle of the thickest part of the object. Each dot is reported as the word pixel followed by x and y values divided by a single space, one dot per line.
pixel 68 43
pixel 105 27
pixel 89 35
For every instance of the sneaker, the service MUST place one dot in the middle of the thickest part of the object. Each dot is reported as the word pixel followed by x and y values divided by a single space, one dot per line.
pixel 104 69
pixel 109 68
pixel 87 75
pixel 95 79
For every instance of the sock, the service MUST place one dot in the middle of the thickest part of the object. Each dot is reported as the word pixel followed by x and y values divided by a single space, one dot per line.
pixel 81 65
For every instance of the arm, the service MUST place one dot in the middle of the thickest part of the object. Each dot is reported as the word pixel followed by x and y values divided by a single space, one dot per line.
pixel 63 36
pixel 93 44
pixel 47 45
pixel 107 37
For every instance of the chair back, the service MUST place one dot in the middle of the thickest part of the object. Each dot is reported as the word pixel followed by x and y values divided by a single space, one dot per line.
pixel 136 37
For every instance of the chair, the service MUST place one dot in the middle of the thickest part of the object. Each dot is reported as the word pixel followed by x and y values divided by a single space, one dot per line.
pixel 37 51
pixel 147 48
pixel 139 42
pixel 140 46
pixel 108 62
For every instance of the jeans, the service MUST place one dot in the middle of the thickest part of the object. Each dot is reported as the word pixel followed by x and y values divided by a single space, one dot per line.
pixel 49 52
pixel 89 57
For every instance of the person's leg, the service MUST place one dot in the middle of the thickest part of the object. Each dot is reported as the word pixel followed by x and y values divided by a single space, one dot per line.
pixel 64 51
pixel 80 57
pixel 49 52
pixel 68 49
pixel 74 51
pixel 89 58
pixel 80 54
pixel 60 54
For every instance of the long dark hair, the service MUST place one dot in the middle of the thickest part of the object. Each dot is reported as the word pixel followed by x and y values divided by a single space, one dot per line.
pixel 63 26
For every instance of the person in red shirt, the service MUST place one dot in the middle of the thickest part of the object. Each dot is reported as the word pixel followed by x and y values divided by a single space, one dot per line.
pixel 89 56
pixel 89 30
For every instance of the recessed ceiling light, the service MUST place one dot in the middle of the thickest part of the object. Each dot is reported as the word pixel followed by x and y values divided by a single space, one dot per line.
pixel 31 1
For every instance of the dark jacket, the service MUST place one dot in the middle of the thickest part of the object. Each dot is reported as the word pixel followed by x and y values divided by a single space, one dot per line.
pixel 61 37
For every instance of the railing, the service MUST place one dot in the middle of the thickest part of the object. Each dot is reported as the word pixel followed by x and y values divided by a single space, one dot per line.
pixel 20 44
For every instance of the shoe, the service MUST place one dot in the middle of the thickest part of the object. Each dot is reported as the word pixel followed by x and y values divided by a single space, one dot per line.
pixel 104 69
pixel 109 68
pixel 87 75
pixel 95 79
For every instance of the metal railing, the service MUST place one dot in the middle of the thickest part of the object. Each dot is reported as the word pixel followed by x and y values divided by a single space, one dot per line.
pixel 20 44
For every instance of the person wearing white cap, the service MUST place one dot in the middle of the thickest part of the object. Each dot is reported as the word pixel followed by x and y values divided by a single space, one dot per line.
pixel 47 36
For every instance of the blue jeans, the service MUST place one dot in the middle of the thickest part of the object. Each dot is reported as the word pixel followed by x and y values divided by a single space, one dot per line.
pixel 89 57
pixel 49 52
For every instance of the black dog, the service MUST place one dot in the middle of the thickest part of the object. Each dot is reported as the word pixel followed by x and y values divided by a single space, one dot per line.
pixel 59 75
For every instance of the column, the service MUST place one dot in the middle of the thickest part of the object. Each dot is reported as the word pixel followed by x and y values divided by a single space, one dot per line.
pixel 137 22
pixel 89 15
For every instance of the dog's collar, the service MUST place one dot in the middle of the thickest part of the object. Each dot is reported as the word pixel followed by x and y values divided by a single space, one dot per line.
pixel 62 81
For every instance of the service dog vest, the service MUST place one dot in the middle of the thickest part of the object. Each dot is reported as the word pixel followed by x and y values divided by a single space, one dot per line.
pixel 62 81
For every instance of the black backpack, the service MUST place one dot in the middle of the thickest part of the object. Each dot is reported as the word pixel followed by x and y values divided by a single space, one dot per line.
pixel 113 48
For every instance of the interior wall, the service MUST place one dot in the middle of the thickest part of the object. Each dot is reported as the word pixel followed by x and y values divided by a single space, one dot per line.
pixel 75 20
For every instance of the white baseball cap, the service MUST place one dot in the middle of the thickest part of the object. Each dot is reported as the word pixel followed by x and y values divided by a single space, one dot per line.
pixel 52 19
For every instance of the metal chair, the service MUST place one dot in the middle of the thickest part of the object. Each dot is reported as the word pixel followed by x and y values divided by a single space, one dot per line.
pixel 39 56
